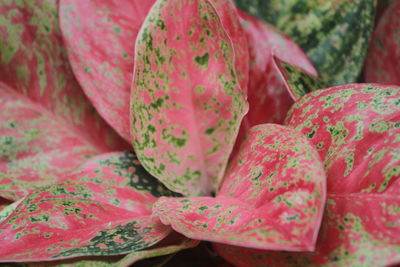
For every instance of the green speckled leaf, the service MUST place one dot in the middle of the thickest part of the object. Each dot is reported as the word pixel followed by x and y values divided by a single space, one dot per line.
pixel 187 103
pixel 298 82
pixel 87 214
pixel 272 197
pixel 356 130
pixel 7 210
pixel 334 33
pixel 33 61
pixel 36 148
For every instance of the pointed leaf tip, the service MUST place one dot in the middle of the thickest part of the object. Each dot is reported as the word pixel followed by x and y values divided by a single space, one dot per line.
pixel 272 197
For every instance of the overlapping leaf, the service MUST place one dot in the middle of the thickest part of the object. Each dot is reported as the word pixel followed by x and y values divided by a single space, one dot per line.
pixel 90 217
pixel 335 34
pixel 382 63
pixel 100 39
pixel 34 62
pixel 187 103
pixel 36 149
pixel 268 99
pixel 298 82
pixel 356 131
pixel 272 196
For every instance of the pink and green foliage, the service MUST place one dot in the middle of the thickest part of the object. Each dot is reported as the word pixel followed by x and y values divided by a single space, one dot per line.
pixel 34 62
pixel 94 32
pixel 268 98
pixel 187 103
pixel 361 222
pixel 36 148
pixel 272 196
pixel 87 214
pixel 383 61
pixel 176 78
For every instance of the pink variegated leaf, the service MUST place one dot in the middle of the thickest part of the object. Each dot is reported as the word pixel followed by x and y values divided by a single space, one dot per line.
pixel 272 197
pixel 100 39
pixel 356 131
pixel 229 17
pixel 88 217
pixel 357 230
pixel 383 60
pixel 36 148
pixel 34 62
pixel 268 97
pixel 187 103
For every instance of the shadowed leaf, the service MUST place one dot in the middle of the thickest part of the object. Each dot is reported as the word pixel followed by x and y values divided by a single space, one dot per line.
pixel 383 61
pixel 298 82
pixel 335 34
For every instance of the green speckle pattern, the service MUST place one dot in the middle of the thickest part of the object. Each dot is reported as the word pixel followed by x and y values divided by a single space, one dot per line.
pixel 187 103
pixel 335 34
pixel 297 81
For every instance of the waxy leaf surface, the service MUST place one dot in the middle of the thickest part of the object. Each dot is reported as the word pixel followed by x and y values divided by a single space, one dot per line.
pixel 298 82
pixel 268 97
pixel 383 61
pixel 36 148
pixel 356 131
pixel 272 197
pixel 335 34
pixel 357 230
pixel 34 62
pixel 89 217
pixel 186 103
pixel 100 39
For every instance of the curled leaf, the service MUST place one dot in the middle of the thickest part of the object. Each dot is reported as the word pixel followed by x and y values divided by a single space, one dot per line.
pixel 272 196
pixel 187 103
pixel 298 82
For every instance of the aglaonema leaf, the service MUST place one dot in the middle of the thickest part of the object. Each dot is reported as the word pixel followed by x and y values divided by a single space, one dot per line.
pixel 351 235
pixel 34 62
pixel 229 17
pixel 187 103
pixel 268 98
pixel 36 148
pixel 382 65
pixel 89 217
pixel 356 131
pixel 298 82
pixel 100 39
pixel 272 197
pixel 335 34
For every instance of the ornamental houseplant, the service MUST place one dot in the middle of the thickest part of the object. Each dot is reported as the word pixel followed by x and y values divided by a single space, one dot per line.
pixel 132 131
